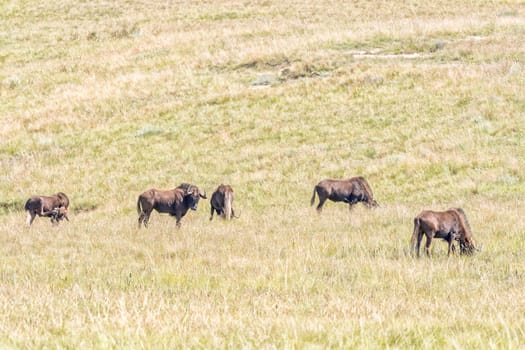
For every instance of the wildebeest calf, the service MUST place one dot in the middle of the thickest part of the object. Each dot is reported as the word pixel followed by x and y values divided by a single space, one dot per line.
pixel 54 206
pixel 351 191
pixel 222 202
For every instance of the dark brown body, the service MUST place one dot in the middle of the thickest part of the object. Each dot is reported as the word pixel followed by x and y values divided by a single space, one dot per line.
pixel 54 206
pixel 222 202
pixel 351 191
pixel 450 225
pixel 175 202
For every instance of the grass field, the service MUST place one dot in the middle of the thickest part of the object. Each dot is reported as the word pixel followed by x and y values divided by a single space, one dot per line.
pixel 105 99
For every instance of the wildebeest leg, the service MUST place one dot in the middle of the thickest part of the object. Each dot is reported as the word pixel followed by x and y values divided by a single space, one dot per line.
pixel 321 202
pixel 177 223
pixel 451 238
pixel 450 244
pixel 56 220
pixel 211 213
pixel 427 244
pixel 53 215
pixel 351 202
pixel 30 217
pixel 143 218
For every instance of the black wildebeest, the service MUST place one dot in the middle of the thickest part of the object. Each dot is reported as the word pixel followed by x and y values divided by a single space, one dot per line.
pixel 450 225
pixel 222 202
pixel 351 191
pixel 54 206
pixel 175 202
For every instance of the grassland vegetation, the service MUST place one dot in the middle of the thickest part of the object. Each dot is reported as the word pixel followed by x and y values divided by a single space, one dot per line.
pixel 103 100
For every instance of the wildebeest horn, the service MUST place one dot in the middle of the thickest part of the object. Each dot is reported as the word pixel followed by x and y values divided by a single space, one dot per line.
pixel 202 193
pixel 189 189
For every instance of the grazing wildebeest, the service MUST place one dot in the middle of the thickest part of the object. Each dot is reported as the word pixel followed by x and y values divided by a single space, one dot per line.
pixel 222 202
pixel 54 206
pixel 450 225
pixel 175 202
pixel 351 191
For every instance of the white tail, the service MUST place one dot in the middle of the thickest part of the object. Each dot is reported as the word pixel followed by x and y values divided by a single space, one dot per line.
pixel 228 199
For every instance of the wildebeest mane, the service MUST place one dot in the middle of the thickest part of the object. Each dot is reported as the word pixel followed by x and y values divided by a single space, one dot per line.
pixel 367 190
pixel 464 220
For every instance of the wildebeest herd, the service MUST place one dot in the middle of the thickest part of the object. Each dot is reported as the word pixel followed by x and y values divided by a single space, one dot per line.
pixel 450 225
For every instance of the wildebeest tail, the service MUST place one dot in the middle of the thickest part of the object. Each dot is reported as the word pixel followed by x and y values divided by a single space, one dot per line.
pixel 313 196
pixel 228 199
pixel 139 207
pixel 415 234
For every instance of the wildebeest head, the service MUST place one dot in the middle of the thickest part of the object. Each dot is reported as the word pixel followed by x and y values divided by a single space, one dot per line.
pixel 372 203
pixel 192 196
pixel 63 200
pixel 466 246
pixel 466 242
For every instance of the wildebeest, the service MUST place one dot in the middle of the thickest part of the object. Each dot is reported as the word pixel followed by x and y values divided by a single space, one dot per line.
pixel 351 191
pixel 54 206
pixel 450 225
pixel 222 202
pixel 175 202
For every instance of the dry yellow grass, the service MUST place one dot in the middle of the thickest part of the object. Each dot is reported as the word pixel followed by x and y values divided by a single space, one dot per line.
pixel 103 100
